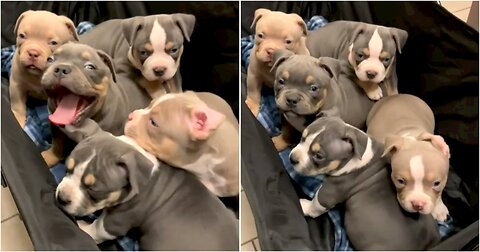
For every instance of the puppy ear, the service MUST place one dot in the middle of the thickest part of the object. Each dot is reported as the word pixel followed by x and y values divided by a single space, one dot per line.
pixel 108 61
pixel 19 20
pixel 357 139
pixel 71 26
pixel 139 169
pixel 279 56
pixel 186 23
pixel 86 128
pixel 130 28
pixel 258 14
pixel 357 30
pixel 400 37
pixel 437 141
pixel 202 121
pixel 300 22
pixel 331 65
pixel 393 143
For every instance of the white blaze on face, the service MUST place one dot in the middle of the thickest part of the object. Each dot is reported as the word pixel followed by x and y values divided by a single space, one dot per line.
pixel 373 63
pixel 417 171
pixel 159 58
pixel 300 152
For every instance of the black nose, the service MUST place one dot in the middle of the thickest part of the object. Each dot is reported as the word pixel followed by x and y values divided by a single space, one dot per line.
pixel 63 200
pixel 293 100
pixel 371 74
pixel 62 70
pixel 293 160
pixel 159 71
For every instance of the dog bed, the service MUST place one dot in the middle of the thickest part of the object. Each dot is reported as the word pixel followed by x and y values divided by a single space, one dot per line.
pixel 439 64
pixel 23 169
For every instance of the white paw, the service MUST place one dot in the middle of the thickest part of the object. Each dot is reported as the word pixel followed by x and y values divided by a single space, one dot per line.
pixel 440 212
pixel 83 225
pixel 375 94
pixel 305 206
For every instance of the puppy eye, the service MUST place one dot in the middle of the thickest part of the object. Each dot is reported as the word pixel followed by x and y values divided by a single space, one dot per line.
pixel 401 181
pixel 50 59
pixel 53 43
pixel 22 36
pixel 386 60
pixel 313 88
pixel 436 183
pixel 360 56
pixel 318 157
pixel 260 36
pixel 153 123
pixel 90 66
pixel 281 81
pixel 174 50
pixel 288 41
pixel 143 53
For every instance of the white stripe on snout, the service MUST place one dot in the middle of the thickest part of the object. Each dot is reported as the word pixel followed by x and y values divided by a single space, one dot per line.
pixel 301 150
pixel 375 45
pixel 418 172
pixel 158 37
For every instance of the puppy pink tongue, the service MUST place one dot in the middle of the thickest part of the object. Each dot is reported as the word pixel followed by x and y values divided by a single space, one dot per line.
pixel 66 110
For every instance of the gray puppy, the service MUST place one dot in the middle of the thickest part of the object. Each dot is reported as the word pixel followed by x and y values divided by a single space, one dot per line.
pixel 170 207
pixel 357 175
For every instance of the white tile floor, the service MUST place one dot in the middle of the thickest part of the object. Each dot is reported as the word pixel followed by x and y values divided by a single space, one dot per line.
pixel 15 236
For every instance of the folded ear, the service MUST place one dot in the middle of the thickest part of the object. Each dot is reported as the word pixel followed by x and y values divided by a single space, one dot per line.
pixel 392 144
pixel 331 65
pixel 139 169
pixel 86 128
pixel 186 23
pixel 357 139
pixel 300 22
pixel 279 56
pixel 202 121
pixel 130 28
pixel 71 26
pixel 358 28
pixel 108 61
pixel 400 37
pixel 258 14
pixel 437 141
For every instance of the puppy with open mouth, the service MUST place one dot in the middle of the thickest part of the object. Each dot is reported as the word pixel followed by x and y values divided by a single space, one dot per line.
pixel 357 175
pixel 169 207
pixel 81 83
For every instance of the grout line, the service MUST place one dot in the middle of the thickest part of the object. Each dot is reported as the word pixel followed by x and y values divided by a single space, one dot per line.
pixel 11 217
pixel 467 8
pixel 251 240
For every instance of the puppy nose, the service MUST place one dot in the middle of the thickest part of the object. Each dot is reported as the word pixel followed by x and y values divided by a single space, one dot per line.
pixel 62 200
pixel 293 100
pixel 159 71
pixel 418 205
pixel 270 51
pixel 33 53
pixel 293 160
pixel 62 70
pixel 371 74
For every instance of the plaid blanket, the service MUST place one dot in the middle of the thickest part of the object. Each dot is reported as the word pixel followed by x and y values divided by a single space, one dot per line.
pixel 37 128
pixel 269 117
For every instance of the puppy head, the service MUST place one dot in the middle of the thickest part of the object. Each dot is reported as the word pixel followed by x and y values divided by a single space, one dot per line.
pixel 373 49
pixel 302 82
pixel 76 81
pixel 191 118
pixel 38 34
pixel 419 172
pixel 277 30
pixel 102 171
pixel 329 146
pixel 156 43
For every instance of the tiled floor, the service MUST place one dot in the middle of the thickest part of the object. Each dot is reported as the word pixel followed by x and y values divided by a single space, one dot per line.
pixel 15 237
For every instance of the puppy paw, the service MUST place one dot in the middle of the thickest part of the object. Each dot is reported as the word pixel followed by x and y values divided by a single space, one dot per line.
pixel 375 94
pixel 305 204
pixel 280 143
pixel 50 158
pixel 253 106
pixel 440 212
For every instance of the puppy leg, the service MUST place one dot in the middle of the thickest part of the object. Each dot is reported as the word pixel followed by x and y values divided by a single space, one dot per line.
pixel 373 91
pixel 312 208
pixel 18 102
pixel 254 89
pixel 96 230
pixel 391 83
pixel 54 154
pixel 437 141
pixel 440 211
pixel 288 136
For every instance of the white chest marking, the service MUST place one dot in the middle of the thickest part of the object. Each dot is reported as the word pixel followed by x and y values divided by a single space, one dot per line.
pixel 204 165
pixel 158 37
pixel 375 45
pixel 418 172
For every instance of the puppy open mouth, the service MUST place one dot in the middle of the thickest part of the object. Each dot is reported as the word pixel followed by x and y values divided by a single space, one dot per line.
pixel 69 107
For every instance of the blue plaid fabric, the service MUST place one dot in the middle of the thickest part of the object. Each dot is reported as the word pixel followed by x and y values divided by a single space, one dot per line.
pixel 37 128
pixel 269 117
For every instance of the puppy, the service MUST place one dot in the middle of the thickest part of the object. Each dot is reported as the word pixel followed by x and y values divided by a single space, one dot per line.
pixel 170 208
pixel 204 142
pixel 81 83
pixel 273 30
pixel 420 159
pixel 306 88
pixel 38 34
pixel 146 48
pixel 370 50
pixel 357 175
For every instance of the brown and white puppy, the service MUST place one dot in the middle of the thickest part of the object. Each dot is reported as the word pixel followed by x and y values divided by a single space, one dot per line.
pixel 193 131
pixel 273 30
pixel 38 34
pixel 420 159
pixel 147 48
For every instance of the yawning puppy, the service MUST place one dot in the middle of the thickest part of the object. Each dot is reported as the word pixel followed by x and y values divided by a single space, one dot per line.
pixel 273 30
pixel 81 83
pixel 146 48
pixel 168 206
pixel 370 50
pixel 38 33
pixel 194 131
pixel 357 175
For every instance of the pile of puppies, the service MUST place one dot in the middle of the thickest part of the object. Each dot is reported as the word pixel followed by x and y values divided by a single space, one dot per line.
pixel 129 83
pixel 329 85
